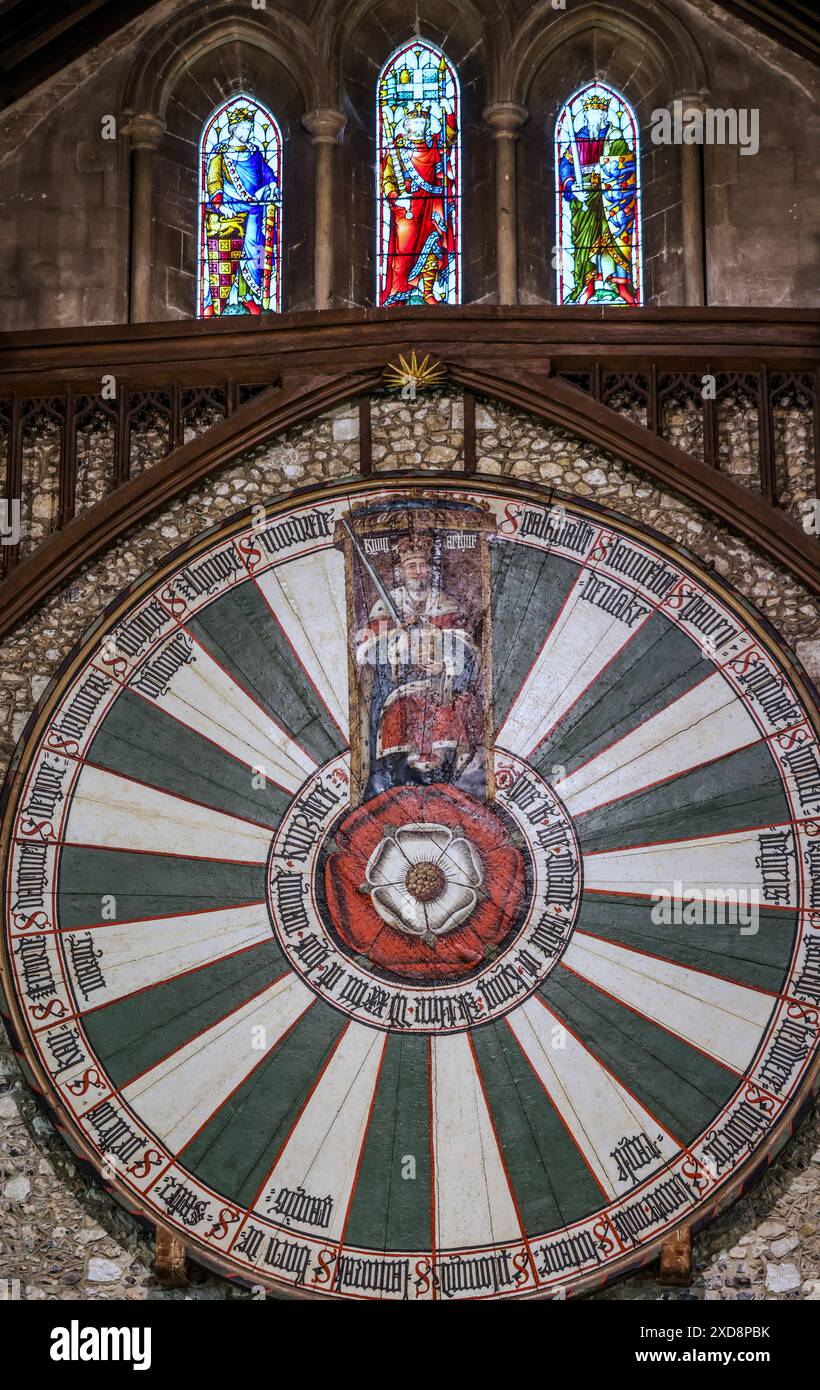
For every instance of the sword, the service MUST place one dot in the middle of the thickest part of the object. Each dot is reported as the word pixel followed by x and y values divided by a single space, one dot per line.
pixel 377 583
pixel 579 178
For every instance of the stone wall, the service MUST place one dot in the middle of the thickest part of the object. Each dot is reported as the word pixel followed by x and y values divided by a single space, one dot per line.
pixel 746 195
pixel 62 1237
pixel 65 191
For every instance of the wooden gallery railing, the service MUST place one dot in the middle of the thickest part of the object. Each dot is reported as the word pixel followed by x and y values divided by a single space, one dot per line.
pixel 149 409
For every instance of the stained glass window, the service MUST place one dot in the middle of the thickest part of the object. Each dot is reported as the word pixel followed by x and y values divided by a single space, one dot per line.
pixel 240 211
pixel 418 253
pixel 598 199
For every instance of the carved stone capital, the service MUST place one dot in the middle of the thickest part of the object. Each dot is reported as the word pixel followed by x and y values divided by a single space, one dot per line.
pixel 692 101
pixel 144 130
pixel 324 125
pixel 505 119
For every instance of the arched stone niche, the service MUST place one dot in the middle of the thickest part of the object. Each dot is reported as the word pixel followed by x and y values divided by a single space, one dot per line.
pixel 319 79
pixel 650 59
pixel 180 78
pixel 360 42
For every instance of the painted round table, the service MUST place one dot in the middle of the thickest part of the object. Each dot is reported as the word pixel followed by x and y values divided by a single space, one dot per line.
pixel 413 892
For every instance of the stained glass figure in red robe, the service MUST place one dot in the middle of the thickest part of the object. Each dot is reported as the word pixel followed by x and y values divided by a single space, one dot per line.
pixel 418 180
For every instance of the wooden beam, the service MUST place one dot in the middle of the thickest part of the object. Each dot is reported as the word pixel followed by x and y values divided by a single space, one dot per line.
pixel 711 443
pixel 750 516
pixel 653 410
pixel 122 444
pixel 788 22
pixel 765 438
pixel 469 433
pixel 816 431
pixel 365 437
pixel 59 40
pixel 175 425
pixel 194 353
pixel 14 475
pixel 273 411
pixel 68 463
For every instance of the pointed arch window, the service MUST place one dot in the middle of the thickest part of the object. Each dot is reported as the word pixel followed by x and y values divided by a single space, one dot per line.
pixel 418 179
pixel 240 211
pixel 598 199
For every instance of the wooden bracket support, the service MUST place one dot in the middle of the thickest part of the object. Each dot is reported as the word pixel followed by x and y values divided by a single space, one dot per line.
pixel 170 1259
pixel 676 1258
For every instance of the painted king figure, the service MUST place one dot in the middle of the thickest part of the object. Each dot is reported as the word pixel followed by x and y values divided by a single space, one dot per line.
pixel 241 235
pixel 425 712
pixel 418 183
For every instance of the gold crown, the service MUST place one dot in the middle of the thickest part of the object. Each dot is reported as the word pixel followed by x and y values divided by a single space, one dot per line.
pixel 418 109
pixel 240 113
pixel 596 103
pixel 415 547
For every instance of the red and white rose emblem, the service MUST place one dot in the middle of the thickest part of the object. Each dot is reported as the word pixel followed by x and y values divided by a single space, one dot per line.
pixel 424 882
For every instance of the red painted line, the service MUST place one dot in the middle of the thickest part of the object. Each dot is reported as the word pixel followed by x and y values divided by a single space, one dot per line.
pixel 644 722
pixel 183 723
pixel 743 1076
pixel 682 772
pixel 633 1008
pixel 178 796
pixel 696 969
pixel 154 853
pixel 561 717
pixel 163 916
pixel 360 1159
pixel 240 685
pixel 648 897
pixel 502 1159
pixel 603 1065
pixel 691 839
pixel 670 777
pixel 582 570
pixel 299 661
pixel 303 1107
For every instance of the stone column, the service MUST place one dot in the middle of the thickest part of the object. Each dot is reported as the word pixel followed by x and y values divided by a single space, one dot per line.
pixel 505 119
pixel 325 127
pixel 145 132
pixel 691 183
